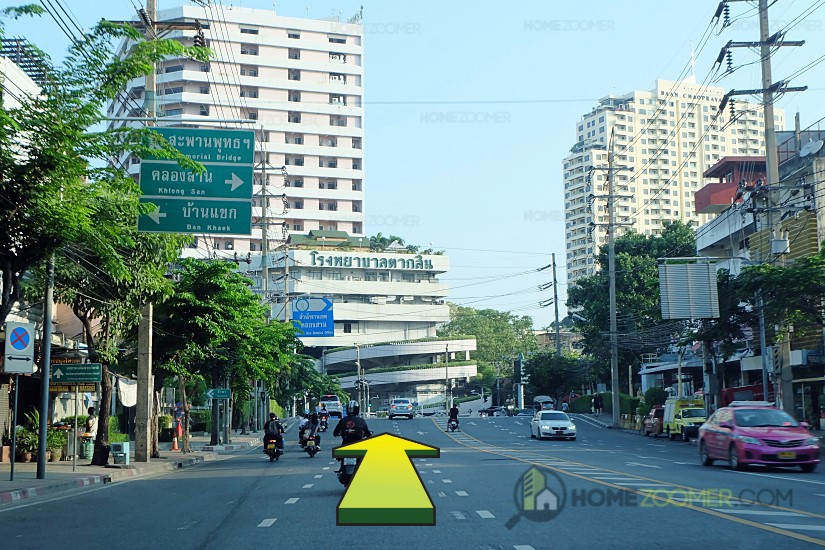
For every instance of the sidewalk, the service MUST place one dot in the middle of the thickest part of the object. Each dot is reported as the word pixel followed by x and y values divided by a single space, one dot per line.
pixel 60 477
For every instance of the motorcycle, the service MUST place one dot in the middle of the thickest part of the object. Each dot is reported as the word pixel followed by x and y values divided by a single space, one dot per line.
pixel 347 471
pixel 272 450
pixel 323 425
pixel 453 425
pixel 311 446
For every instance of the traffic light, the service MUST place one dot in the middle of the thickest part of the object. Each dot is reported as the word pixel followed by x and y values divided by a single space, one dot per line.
pixel 200 40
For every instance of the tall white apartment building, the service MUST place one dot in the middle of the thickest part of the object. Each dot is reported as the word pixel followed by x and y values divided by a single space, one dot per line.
pixel 665 138
pixel 299 84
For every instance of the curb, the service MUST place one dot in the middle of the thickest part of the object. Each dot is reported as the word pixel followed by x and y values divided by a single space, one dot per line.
pixel 8 497
pixel 118 473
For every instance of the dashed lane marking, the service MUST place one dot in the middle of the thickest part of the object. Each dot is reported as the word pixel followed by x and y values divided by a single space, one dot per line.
pixel 523 547
pixel 308 486
pixel 458 515
pixel 291 501
pixel 318 476
pixel 267 522
pixel 442 494
pixel 447 480
pixel 485 514
pixel 637 484
pixel 436 471
pixel 461 493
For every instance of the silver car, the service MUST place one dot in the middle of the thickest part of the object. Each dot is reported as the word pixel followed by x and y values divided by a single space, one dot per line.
pixel 552 424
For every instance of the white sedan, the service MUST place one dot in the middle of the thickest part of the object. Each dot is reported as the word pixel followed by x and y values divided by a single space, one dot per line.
pixel 552 424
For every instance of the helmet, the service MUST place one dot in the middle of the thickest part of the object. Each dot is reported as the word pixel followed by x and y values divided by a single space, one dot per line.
pixel 273 416
pixel 353 408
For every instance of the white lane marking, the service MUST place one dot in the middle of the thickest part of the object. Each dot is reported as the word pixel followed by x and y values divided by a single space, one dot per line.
pixel 447 480
pixel 637 484
pixel 436 471
pixel 325 468
pixel 461 493
pixel 458 515
pixel 642 465
pixel 319 476
pixel 684 463
pixel 782 477
pixel 291 501
pixel 485 514
pixel 523 547
pixel 797 527
pixel 759 512
pixel 819 494
pixel 267 522
pixel 608 478
pixel 519 423
pixel 442 494
pixel 430 481
pixel 307 486
pixel 187 525
pixel 428 464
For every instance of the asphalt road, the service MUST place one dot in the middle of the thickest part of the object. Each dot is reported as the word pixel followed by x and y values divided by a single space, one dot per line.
pixel 611 490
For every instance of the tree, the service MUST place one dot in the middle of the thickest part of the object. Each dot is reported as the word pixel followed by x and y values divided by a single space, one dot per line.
pixel 553 375
pixel 500 337
pixel 65 201
pixel 639 323
pixel 50 160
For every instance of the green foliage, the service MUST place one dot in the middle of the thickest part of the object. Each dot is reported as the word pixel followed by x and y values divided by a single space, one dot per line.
pixel 655 397
pixel 164 421
pixel 637 296
pixel 26 440
pixel 553 375
pixel 57 439
pixel 115 436
pixel 500 336
pixel 627 404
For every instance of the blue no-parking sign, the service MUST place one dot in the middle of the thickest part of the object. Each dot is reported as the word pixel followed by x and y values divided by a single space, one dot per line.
pixel 18 357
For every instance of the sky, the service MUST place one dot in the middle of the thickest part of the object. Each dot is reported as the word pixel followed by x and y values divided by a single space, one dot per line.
pixel 470 108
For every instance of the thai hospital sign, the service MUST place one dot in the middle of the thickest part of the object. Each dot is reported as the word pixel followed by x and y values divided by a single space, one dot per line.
pixel 371 261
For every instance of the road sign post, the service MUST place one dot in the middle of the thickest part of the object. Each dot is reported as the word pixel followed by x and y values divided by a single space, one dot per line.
pixel 19 355
pixel 314 317
pixel 218 393
pixel 218 200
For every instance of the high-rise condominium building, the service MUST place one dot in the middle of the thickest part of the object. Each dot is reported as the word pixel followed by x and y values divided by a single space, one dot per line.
pixel 299 84
pixel 665 138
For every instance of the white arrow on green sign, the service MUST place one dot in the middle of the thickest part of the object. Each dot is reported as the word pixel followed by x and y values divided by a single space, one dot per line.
pixel 218 200
pixel 218 393
pixel 76 373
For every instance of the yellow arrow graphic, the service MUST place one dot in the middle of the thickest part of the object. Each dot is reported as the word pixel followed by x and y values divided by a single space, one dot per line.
pixel 386 489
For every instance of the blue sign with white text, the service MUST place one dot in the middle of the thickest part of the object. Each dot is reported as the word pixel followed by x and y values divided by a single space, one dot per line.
pixel 313 317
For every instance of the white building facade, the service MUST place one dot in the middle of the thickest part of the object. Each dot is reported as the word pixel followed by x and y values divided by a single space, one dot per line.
pixel 665 138
pixel 298 83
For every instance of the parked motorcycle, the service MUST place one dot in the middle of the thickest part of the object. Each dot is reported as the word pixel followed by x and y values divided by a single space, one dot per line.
pixel 272 450
pixel 453 425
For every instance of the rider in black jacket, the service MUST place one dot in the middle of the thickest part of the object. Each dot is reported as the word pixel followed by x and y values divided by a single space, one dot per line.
pixel 352 427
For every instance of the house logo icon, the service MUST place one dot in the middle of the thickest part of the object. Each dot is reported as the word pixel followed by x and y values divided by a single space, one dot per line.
pixel 539 496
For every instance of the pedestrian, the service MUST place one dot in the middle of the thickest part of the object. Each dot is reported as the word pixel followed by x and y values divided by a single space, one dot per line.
pixel 251 423
pixel 91 423
pixel 564 406
pixel 598 404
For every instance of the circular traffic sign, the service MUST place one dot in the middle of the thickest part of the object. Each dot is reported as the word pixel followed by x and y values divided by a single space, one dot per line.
pixel 20 338
pixel 302 304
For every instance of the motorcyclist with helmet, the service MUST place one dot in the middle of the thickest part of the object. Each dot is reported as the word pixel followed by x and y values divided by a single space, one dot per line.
pixel 352 428
pixel 273 430
pixel 453 415
pixel 311 431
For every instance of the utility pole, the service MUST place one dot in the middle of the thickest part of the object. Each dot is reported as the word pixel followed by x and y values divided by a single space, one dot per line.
pixel 611 266
pixel 143 410
pixel 556 304
pixel 777 246
pixel 358 372
pixel 447 377
pixel 45 372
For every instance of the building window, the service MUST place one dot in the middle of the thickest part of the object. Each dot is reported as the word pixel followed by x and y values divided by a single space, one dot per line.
pixel 337 120
pixel 336 276
pixel 337 99
pixel 298 205
pixel 297 227
pixel 294 117
pixel 204 89
pixel 294 74
pixel 294 96
pixel 249 49
pixel 249 92
pixel 229 245
pixel 173 112
pixel 332 206
pixel 347 328
pixel 338 78
pixel 356 164
pixel 294 53
pixel 337 40
pixel 204 67
pixel 314 275
pixel 204 110
pixel 356 143
pixel 174 90
pixel 296 183
pixel 293 34
pixel 174 68
pixel 252 115
pixel 249 71
pixel 356 185
pixel 338 57
pixel 332 184
pixel 248 31
pixel 356 206
pixel 294 161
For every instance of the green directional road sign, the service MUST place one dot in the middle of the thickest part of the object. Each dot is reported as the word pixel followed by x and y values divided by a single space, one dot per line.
pixel 221 216
pixel 218 393
pixel 167 179
pixel 218 200
pixel 76 373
